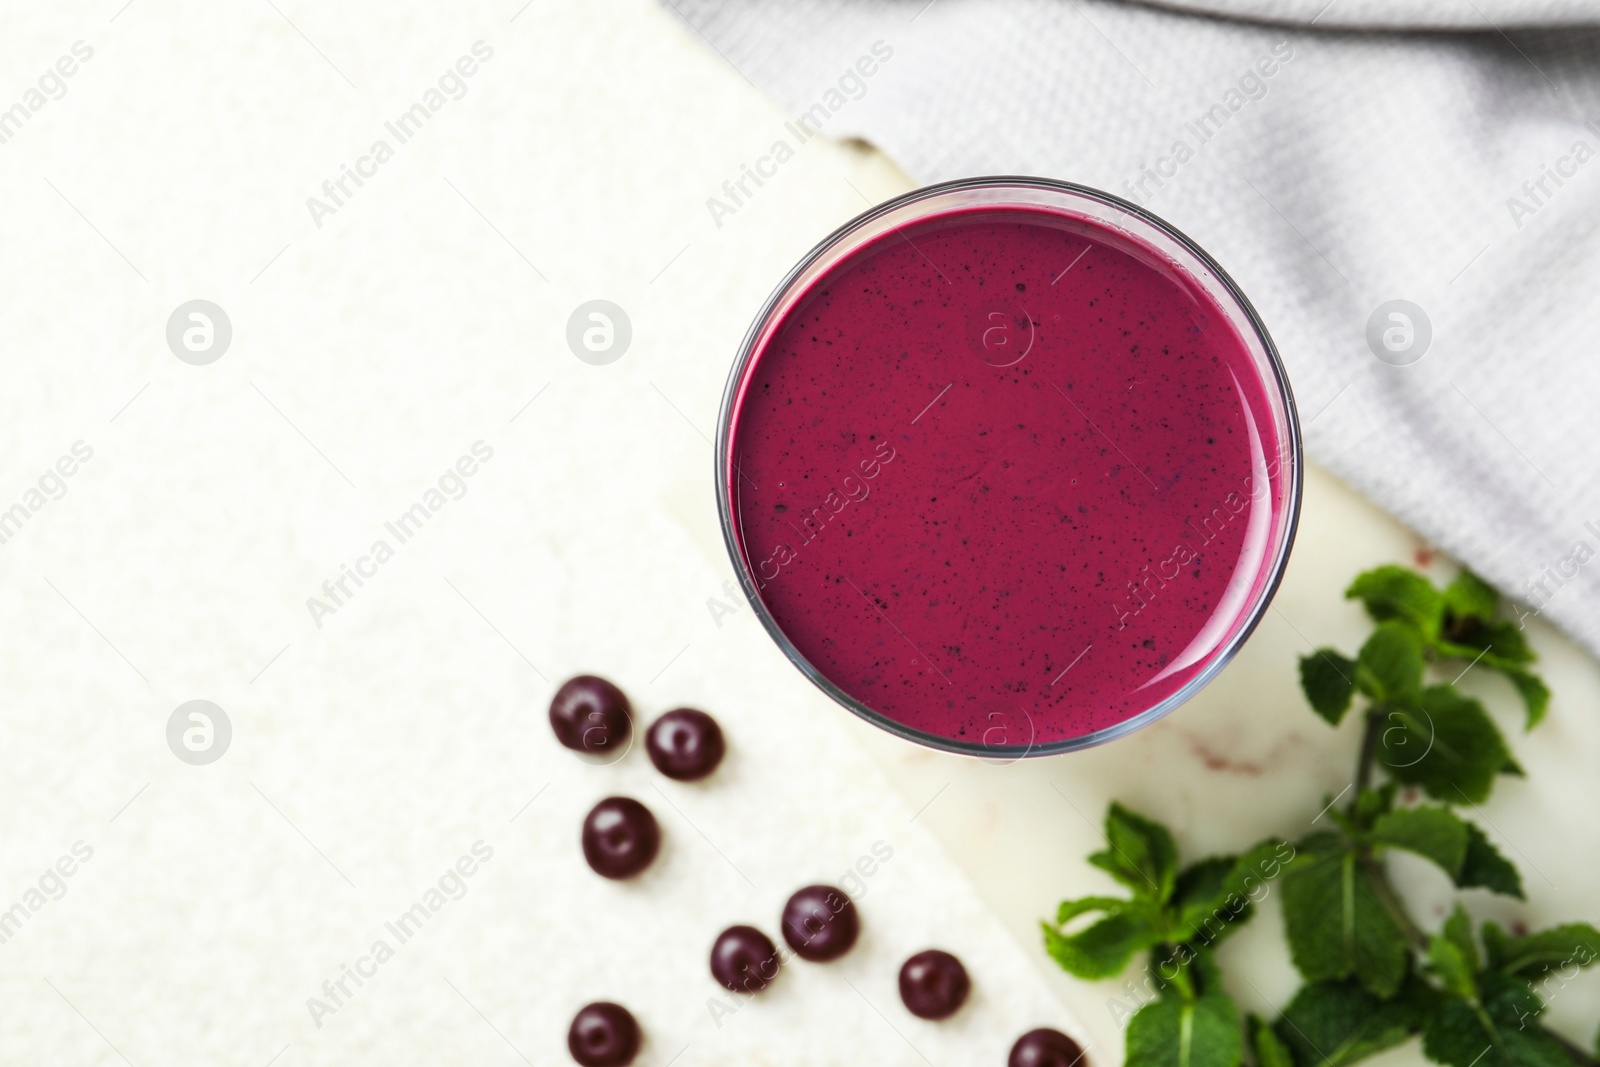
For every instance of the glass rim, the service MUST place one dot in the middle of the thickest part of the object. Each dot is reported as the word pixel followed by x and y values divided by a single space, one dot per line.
pixel 1290 450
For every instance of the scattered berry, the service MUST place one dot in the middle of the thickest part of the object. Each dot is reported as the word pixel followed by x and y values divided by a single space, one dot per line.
pixel 620 837
pixel 744 959
pixel 685 744
pixel 603 1035
pixel 820 923
pixel 1045 1048
pixel 589 714
pixel 933 984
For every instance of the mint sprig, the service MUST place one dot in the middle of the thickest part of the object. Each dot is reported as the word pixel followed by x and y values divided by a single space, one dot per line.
pixel 1458 623
pixel 1374 979
pixel 1176 914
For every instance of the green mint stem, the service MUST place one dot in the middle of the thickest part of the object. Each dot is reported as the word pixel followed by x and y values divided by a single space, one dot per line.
pixel 1182 980
pixel 1369 750
pixel 1380 877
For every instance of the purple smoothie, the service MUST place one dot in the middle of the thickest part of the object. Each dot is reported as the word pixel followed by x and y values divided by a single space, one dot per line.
pixel 1007 477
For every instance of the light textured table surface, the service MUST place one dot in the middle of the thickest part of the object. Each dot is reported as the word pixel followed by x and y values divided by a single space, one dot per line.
pixel 373 346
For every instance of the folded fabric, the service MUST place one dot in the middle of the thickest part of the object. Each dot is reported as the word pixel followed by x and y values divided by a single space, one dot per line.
pixel 1483 15
pixel 1413 214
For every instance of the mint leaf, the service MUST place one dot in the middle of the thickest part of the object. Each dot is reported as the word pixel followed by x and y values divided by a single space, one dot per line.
pixel 1444 742
pixel 1336 923
pixel 1389 666
pixel 1453 958
pixel 1433 833
pixel 1103 949
pixel 1201 896
pixel 1485 867
pixel 1174 1032
pixel 1329 681
pixel 1571 945
pixel 1140 855
pixel 1331 1024
pixel 1269 1047
pixel 1394 592
pixel 1499 1029
pixel 1500 646
pixel 1470 597
pixel 1447 964
pixel 1214 896
pixel 1457 930
pixel 1071 909
pixel 1264 862
pixel 1501 643
pixel 1535 694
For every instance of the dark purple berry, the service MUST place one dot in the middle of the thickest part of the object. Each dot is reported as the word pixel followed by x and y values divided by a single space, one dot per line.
pixel 744 959
pixel 620 837
pixel 933 984
pixel 589 714
pixel 685 744
pixel 820 923
pixel 603 1035
pixel 1045 1048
